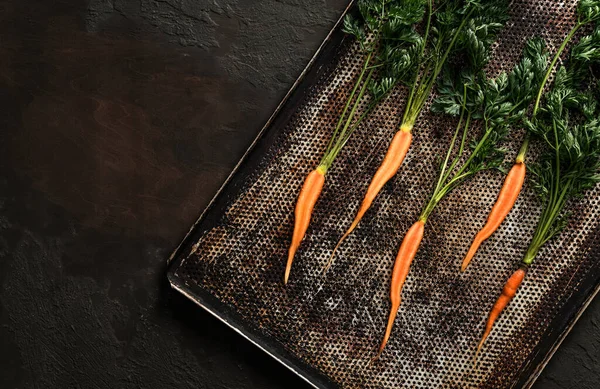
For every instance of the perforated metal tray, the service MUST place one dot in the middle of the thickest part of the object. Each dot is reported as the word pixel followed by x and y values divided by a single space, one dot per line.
pixel 326 328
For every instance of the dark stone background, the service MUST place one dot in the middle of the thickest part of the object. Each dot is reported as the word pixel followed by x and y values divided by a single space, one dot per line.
pixel 119 120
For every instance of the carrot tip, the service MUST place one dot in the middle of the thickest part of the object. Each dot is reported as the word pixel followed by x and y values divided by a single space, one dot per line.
pixel 479 347
pixel 330 260
pixel 286 276
pixel 471 253
pixel 374 359
pixel 339 243
pixel 328 264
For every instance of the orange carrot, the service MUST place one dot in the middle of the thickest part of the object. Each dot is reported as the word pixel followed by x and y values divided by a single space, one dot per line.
pixel 311 190
pixel 506 200
pixel 388 168
pixel 508 292
pixel 406 254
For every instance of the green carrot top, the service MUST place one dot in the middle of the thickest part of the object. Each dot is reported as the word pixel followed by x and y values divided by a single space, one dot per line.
pixel 464 29
pixel 568 124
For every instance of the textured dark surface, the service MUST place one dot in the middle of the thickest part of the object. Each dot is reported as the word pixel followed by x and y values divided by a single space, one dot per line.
pixel 118 122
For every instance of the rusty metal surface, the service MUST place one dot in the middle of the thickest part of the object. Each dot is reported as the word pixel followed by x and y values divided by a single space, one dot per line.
pixel 327 327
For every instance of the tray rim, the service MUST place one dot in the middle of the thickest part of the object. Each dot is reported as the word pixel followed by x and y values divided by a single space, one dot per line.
pixel 565 319
pixel 314 378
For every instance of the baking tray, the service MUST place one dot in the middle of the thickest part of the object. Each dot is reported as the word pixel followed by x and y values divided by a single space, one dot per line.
pixel 327 328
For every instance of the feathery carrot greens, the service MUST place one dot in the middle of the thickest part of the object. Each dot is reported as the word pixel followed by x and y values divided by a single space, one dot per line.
pixel 453 28
pixel 386 34
pixel 459 27
pixel 569 124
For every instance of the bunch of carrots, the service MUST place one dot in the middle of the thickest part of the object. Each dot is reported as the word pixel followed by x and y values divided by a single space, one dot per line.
pixel 445 45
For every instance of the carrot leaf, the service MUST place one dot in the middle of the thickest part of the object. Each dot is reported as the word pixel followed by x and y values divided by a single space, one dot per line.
pixel 569 125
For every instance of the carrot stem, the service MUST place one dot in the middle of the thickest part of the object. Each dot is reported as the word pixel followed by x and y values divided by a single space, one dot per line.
pixel 523 150
pixel 552 64
pixel 426 86
pixel 415 80
pixel 442 176
pixel 347 105
pixel 440 191
pixel 330 156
